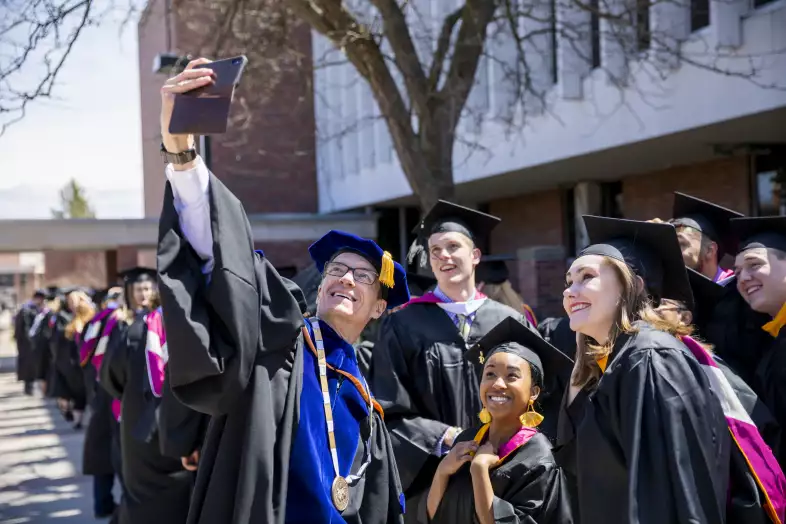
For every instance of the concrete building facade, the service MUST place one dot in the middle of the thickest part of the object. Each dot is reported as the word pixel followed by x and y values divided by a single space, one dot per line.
pixel 599 148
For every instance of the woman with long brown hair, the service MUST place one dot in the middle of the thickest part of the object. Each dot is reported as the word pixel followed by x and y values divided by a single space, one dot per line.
pixel 643 431
pixel 68 377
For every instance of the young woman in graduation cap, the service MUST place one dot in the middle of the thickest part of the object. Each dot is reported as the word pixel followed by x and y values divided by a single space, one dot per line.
pixel 644 437
pixel 69 382
pixel 760 267
pixel 503 469
pixel 296 435
pixel 157 485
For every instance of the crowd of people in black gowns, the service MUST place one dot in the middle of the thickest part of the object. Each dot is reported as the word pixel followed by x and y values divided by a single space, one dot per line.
pixel 432 396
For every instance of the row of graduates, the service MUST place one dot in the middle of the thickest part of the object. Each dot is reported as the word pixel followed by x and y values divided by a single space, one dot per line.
pixel 652 426
pixel 106 349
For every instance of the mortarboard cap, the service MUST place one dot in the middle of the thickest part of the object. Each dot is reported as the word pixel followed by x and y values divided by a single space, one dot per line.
pixel 711 219
pixel 757 232
pixel 135 273
pixel 511 336
pixel 447 217
pixel 493 269
pixel 53 292
pixel 420 284
pixel 391 274
pixel 42 293
pixel 651 249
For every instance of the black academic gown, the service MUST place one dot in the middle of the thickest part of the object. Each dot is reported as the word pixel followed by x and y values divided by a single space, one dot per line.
pixel 649 444
pixel 236 352
pixel 101 427
pixel 25 360
pixel 770 384
pixel 184 429
pixel 734 330
pixel 69 381
pixel 529 488
pixel 157 488
pixel 424 384
pixel 41 332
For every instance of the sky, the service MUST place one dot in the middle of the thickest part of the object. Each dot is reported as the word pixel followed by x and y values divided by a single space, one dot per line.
pixel 90 132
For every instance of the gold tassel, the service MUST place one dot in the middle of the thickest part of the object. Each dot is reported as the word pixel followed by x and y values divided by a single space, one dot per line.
pixel 386 277
pixel 531 419
pixel 484 416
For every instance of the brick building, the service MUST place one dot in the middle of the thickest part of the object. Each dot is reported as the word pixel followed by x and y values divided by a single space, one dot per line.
pixel 708 135
pixel 269 162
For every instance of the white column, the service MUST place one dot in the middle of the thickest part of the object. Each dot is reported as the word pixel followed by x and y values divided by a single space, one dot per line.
pixel 574 48
pixel 538 52
pixel 726 21
pixel 669 27
pixel 617 42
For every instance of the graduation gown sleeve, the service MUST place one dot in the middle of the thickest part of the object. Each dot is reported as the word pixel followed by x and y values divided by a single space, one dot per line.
pixel 219 324
pixel 180 429
pixel 661 416
pixel 114 368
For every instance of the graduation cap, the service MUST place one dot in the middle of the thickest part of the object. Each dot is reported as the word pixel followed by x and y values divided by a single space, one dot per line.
pixel 446 217
pixel 52 292
pixel 135 274
pixel 708 218
pixel 758 232
pixel 651 249
pixel 40 293
pixel 419 284
pixel 511 336
pixel 391 275
pixel 493 269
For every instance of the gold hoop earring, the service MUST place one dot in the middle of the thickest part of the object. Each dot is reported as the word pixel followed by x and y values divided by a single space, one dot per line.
pixel 484 416
pixel 531 419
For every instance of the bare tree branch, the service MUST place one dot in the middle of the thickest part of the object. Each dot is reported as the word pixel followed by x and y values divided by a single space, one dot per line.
pixel 443 46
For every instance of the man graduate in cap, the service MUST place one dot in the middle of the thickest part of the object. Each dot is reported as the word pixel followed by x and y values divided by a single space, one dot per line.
pixel 26 361
pixel 704 233
pixel 727 322
pixel 760 267
pixel 428 390
pixel 296 435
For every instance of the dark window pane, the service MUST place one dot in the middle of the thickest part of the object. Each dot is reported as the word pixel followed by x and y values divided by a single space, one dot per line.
pixel 759 3
pixel 769 192
pixel 594 6
pixel 643 25
pixel 699 14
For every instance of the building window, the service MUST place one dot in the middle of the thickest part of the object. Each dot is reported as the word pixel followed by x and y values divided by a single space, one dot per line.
pixel 760 3
pixel 611 199
pixel 770 183
pixel 594 6
pixel 699 14
pixel 642 25
pixel 554 42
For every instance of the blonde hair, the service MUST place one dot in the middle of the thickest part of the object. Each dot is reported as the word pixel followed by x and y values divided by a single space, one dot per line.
pixel 634 304
pixel 505 294
pixel 83 313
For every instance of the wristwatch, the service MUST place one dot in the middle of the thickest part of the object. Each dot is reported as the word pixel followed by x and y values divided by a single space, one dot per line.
pixel 184 157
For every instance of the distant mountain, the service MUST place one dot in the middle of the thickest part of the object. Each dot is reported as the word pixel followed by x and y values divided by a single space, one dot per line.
pixel 29 201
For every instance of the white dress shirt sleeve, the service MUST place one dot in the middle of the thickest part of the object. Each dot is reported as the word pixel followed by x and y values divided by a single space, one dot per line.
pixel 190 190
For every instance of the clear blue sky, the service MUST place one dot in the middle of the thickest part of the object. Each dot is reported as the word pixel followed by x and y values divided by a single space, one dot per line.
pixel 90 132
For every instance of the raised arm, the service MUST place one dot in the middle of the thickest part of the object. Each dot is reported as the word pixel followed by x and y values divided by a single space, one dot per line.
pixel 223 303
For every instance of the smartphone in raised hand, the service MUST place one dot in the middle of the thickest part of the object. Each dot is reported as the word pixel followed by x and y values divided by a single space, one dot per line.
pixel 205 110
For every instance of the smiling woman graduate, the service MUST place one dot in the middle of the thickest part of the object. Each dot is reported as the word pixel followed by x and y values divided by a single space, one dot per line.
pixel 644 435
pixel 503 470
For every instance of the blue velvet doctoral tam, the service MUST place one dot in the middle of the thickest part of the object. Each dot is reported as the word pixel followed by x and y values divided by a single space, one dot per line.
pixel 310 465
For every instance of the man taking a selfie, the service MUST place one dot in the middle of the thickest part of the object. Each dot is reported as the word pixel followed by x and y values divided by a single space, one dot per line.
pixel 296 436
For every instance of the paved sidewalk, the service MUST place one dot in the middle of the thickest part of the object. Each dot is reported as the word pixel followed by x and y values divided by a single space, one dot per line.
pixel 40 456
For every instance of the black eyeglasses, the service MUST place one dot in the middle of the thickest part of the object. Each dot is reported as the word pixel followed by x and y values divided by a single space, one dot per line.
pixel 361 275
